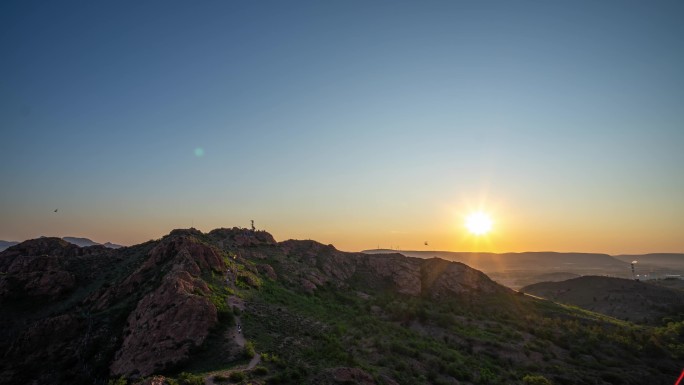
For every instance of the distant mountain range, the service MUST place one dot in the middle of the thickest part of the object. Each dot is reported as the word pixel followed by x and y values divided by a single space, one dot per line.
pixel 500 262
pixel 661 259
pixel 5 244
pixel 82 242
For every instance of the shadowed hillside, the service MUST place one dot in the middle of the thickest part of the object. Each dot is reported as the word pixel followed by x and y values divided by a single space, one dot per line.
pixel 641 302
pixel 5 244
pixel 234 303
pixel 520 269
pixel 529 261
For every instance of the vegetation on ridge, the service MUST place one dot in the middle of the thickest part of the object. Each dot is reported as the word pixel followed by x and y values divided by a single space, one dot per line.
pixel 317 315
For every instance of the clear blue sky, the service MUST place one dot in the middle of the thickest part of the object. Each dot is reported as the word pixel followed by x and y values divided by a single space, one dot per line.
pixel 357 123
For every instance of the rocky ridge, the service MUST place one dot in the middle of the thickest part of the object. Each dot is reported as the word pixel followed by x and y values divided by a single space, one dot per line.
pixel 147 307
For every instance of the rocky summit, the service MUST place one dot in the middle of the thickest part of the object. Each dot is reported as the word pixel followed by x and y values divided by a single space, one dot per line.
pixel 235 305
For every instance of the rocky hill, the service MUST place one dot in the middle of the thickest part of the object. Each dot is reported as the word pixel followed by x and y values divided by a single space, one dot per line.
pixel 195 307
pixel 641 302
pixel 83 242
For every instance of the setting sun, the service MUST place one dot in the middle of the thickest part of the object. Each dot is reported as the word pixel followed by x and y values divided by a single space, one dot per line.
pixel 478 223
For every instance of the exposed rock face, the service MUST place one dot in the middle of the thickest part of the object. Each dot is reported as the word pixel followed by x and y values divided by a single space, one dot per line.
pixel 176 253
pixel 237 237
pixel 442 278
pixel 166 303
pixel 165 325
pixel 318 264
pixel 404 272
pixel 268 271
pixel 168 322
pixel 40 268
pixel 41 277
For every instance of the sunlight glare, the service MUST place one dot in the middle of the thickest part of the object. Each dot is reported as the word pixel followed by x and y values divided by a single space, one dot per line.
pixel 478 223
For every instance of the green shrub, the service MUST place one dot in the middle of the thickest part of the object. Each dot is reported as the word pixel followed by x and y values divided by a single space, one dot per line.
pixel 260 370
pixel 237 376
pixel 190 379
pixel 119 381
pixel 536 380
pixel 249 350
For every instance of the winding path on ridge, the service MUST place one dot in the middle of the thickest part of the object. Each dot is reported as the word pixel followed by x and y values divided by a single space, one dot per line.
pixel 239 338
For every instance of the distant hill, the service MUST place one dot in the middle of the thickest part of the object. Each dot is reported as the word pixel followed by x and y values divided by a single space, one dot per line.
pixel 545 261
pixel 545 277
pixel 658 259
pixel 626 299
pixel 81 242
pixel 5 244
pixel 672 283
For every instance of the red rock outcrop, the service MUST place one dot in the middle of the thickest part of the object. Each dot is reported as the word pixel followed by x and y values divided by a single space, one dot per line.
pixel 315 264
pixel 176 317
pixel 443 278
pixel 35 276
pixel 237 237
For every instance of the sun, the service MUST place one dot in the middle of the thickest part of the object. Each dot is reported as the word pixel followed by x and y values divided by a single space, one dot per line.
pixel 478 223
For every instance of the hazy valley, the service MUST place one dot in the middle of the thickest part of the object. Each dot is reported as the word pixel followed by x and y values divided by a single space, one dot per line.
pixel 516 270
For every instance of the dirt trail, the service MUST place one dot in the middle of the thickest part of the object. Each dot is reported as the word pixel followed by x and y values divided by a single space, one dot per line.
pixel 239 338
pixel 254 362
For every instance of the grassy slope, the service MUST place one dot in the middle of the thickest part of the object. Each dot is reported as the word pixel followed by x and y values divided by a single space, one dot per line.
pixel 489 340
pixel 417 341
pixel 641 302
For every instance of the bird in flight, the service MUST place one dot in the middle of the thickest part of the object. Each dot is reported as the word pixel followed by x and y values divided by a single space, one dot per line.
pixel 56 210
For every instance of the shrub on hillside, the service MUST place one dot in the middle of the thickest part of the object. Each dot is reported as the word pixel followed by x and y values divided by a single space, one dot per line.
pixel 119 381
pixel 190 379
pixel 536 380
pixel 237 376
pixel 260 370
pixel 249 350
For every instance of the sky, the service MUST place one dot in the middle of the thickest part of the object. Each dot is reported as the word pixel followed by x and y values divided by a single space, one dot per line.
pixel 361 124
